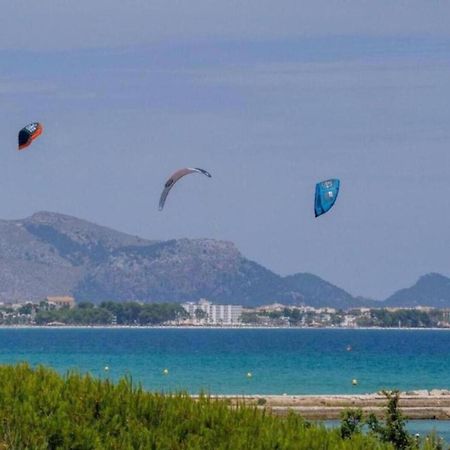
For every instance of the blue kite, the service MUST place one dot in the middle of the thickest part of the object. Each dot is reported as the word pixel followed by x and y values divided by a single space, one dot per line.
pixel 326 195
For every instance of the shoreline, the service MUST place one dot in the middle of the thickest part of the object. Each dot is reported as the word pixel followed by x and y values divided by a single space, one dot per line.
pixel 415 405
pixel 214 327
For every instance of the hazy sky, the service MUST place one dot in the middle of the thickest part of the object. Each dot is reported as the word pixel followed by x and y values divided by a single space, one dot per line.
pixel 270 97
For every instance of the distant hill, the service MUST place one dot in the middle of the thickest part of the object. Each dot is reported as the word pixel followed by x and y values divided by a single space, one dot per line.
pixel 319 292
pixel 50 254
pixel 55 254
pixel 430 290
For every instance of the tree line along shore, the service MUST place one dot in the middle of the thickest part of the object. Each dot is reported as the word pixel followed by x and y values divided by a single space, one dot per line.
pixel 41 409
pixel 174 314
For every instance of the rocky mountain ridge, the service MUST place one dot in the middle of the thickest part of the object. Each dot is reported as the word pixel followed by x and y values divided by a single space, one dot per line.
pixel 55 254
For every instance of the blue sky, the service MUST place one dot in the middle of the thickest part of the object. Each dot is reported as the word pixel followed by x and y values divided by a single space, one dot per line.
pixel 268 98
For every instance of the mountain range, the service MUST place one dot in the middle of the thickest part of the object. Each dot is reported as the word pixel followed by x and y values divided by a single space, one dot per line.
pixel 55 254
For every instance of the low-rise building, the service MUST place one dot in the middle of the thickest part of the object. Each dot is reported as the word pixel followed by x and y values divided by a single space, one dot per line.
pixel 62 301
pixel 271 308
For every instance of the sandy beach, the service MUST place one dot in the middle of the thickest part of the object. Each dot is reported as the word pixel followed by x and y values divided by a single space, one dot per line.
pixel 422 404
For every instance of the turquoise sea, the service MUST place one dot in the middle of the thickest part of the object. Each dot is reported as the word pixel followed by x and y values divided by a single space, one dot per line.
pixel 292 361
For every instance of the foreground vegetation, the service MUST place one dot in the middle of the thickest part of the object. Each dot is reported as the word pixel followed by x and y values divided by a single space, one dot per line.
pixel 390 430
pixel 40 409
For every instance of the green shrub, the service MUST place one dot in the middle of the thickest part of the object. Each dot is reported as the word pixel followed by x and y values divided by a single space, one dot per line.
pixel 352 421
pixel 40 409
pixel 393 429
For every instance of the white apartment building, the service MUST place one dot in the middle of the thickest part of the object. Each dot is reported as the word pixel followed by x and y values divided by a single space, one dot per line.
pixel 214 314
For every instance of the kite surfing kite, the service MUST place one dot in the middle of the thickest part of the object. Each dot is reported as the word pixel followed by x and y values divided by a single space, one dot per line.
pixel 326 195
pixel 174 178
pixel 28 134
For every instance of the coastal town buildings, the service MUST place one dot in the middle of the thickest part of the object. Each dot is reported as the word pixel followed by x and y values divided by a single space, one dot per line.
pixel 277 307
pixel 207 312
pixel 64 310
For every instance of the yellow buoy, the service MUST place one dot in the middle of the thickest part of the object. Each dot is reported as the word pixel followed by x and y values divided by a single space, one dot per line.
pixel 354 381
pixel 166 371
pixel 249 374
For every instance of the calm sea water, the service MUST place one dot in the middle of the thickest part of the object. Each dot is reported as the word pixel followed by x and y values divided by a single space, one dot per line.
pixel 292 361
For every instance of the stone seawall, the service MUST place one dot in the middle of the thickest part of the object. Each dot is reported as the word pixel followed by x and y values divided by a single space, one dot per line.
pixel 433 404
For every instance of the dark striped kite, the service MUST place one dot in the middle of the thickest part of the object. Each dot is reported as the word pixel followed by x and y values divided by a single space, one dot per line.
pixel 174 178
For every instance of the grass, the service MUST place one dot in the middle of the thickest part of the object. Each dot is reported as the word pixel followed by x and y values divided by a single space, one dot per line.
pixel 40 409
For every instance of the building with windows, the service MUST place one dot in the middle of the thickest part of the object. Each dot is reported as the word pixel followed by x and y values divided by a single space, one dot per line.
pixel 207 312
pixel 61 301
